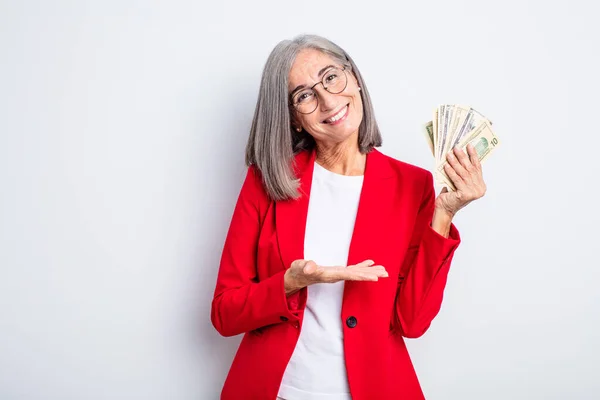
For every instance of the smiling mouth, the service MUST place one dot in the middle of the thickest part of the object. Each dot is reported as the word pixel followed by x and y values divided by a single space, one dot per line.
pixel 339 116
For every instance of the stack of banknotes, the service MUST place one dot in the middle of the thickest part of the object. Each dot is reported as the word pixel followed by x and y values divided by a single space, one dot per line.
pixel 456 126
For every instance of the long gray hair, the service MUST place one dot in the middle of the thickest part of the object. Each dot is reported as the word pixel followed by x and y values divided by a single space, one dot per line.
pixel 273 142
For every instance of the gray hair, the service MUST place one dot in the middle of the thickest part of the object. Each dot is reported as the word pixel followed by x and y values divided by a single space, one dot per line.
pixel 273 143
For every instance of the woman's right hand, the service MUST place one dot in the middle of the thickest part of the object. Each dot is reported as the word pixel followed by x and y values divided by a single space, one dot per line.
pixel 303 273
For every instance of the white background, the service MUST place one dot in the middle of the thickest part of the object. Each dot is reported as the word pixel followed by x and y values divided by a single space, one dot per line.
pixel 123 126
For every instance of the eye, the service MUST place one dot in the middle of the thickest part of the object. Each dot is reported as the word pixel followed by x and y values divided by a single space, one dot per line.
pixel 331 78
pixel 304 97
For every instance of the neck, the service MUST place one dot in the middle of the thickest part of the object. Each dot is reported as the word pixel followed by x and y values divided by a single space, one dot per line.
pixel 342 158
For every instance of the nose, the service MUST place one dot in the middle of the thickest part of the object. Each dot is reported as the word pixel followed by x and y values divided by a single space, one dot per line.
pixel 327 101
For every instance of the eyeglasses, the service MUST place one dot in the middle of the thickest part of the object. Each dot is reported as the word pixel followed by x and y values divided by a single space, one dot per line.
pixel 334 81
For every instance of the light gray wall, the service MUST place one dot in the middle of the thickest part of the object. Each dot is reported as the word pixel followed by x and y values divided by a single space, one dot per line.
pixel 122 128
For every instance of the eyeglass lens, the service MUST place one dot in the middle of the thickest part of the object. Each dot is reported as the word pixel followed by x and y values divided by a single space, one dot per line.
pixel 334 81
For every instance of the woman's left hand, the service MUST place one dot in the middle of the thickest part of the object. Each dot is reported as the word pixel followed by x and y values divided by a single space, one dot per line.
pixel 465 172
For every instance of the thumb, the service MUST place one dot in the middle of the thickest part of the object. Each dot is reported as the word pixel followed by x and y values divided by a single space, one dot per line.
pixel 310 267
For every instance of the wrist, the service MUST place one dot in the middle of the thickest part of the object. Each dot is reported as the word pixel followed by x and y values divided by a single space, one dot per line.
pixel 289 283
pixel 442 212
pixel 441 221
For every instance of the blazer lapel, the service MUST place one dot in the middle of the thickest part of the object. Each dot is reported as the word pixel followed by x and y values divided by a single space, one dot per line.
pixel 290 215
pixel 375 203
pixel 375 206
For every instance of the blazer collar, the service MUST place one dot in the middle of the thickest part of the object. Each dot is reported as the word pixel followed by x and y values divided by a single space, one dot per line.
pixel 377 166
pixel 375 198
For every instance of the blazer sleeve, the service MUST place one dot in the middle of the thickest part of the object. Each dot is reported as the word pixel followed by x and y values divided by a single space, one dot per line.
pixel 241 302
pixel 425 269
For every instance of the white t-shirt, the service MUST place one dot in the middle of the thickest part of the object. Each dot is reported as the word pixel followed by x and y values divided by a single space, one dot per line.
pixel 317 370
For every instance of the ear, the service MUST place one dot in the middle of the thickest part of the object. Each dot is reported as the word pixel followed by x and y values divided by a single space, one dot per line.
pixel 295 122
pixel 355 79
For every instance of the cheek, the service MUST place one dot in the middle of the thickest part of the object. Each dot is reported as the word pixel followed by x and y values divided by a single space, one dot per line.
pixel 301 120
pixel 358 109
pixel 311 122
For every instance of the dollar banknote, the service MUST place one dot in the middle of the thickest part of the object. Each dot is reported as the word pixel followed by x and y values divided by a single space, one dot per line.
pixel 457 126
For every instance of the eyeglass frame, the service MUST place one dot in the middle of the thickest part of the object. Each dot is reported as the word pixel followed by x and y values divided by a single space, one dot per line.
pixel 343 69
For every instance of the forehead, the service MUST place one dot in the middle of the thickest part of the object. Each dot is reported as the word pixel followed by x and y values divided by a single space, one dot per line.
pixel 306 67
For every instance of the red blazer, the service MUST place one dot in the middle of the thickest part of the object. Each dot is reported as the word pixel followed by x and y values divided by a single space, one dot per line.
pixel 392 228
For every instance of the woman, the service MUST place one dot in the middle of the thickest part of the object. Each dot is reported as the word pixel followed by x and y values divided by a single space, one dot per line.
pixel 335 251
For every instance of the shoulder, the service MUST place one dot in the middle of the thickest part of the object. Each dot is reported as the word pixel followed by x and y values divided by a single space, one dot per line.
pixel 254 182
pixel 254 190
pixel 406 173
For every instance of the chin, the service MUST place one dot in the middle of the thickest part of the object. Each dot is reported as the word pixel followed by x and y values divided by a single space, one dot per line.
pixel 351 127
pixel 346 134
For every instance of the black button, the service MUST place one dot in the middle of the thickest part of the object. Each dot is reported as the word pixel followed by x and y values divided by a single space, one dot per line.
pixel 351 322
pixel 283 318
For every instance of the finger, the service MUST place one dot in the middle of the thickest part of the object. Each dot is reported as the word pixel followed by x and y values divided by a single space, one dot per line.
pixel 473 156
pixel 334 274
pixel 310 267
pixel 457 166
pixel 359 272
pixel 463 158
pixel 366 263
pixel 363 274
pixel 381 273
pixel 477 171
pixel 377 269
pixel 459 183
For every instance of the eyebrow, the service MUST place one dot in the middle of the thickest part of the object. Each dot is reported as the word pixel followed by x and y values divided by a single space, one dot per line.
pixel 321 72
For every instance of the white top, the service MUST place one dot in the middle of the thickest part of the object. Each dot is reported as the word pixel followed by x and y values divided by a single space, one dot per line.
pixel 317 369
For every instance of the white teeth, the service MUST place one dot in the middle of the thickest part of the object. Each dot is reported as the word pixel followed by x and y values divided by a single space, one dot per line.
pixel 337 116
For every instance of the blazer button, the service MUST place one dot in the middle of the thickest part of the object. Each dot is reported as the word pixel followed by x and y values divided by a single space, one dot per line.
pixel 283 318
pixel 351 322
